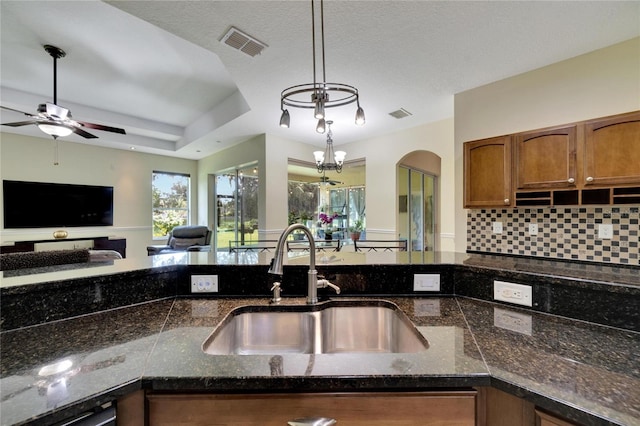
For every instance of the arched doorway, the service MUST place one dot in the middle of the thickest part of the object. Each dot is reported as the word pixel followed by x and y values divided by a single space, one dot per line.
pixel 418 199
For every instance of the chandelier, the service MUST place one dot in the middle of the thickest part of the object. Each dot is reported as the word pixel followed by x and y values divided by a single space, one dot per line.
pixel 319 95
pixel 329 154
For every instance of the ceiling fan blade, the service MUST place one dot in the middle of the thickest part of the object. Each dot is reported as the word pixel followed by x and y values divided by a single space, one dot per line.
pixel 101 127
pixel 16 110
pixel 20 123
pixel 78 131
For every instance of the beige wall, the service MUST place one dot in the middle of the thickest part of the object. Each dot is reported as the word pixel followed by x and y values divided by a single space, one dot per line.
pixel 382 155
pixel 600 83
pixel 29 158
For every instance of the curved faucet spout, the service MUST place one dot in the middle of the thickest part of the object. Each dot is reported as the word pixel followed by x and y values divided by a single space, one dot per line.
pixel 276 263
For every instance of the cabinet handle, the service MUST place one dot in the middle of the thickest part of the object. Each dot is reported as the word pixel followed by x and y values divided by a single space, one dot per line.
pixel 506 201
pixel 571 180
pixel 589 179
pixel 312 421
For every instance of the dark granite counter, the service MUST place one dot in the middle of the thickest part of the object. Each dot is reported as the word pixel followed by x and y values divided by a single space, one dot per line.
pixel 74 338
pixel 583 371
pixel 620 275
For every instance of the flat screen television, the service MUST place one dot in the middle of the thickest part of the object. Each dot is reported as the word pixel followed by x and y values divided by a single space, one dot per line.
pixel 49 205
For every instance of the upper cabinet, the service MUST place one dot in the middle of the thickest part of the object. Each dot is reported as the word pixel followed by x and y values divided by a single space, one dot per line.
pixel 487 172
pixel 585 163
pixel 546 158
pixel 612 150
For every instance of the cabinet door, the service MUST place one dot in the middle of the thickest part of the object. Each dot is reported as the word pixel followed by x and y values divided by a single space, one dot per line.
pixel 451 408
pixel 546 158
pixel 487 172
pixel 612 150
pixel 544 419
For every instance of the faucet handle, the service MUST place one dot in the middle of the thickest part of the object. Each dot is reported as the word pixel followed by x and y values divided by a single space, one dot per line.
pixel 276 292
pixel 325 283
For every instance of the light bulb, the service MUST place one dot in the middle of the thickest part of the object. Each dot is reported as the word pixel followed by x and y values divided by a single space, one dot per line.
pixel 360 116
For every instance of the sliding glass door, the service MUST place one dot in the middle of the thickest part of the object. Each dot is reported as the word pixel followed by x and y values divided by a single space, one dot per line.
pixel 236 207
pixel 416 210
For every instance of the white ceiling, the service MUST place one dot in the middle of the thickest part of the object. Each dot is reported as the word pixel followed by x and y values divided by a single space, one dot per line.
pixel 158 69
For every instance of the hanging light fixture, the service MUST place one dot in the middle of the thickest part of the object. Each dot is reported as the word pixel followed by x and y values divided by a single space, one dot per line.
pixel 323 158
pixel 319 95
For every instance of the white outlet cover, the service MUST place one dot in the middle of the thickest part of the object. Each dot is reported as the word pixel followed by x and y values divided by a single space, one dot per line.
pixel 204 283
pixel 533 229
pixel 605 231
pixel 426 282
pixel 496 227
pixel 519 294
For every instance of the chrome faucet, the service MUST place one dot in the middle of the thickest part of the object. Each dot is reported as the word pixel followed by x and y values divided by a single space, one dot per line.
pixel 312 276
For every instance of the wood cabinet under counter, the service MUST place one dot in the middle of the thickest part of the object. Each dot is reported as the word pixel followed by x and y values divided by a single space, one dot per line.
pixel 348 409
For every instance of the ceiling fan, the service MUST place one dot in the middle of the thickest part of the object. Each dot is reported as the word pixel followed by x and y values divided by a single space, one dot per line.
pixel 324 179
pixel 55 120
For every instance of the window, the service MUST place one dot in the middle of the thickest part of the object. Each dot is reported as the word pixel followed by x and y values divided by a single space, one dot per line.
pixel 170 194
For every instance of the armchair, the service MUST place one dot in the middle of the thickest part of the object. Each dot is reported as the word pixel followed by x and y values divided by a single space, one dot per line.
pixel 184 238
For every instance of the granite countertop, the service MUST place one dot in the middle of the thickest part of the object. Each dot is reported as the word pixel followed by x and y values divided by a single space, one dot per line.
pixel 621 275
pixel 586 372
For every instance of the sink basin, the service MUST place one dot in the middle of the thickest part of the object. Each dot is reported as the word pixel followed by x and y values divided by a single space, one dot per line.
pixel 329 328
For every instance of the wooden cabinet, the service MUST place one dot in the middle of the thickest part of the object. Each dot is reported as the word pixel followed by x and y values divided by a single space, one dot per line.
pixel 546 158
pixel 612 150
pixel 585 163
pixel 487 172
pixel 544 419
pixel 451 408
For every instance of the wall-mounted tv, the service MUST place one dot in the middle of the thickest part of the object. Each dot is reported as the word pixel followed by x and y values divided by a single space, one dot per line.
pixel 48 205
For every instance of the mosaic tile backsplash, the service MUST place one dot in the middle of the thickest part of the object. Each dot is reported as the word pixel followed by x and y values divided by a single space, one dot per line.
pixel 563 233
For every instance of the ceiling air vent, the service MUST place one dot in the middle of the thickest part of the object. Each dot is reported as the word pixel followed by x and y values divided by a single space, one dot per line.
pixel 243 42
pixel 401 113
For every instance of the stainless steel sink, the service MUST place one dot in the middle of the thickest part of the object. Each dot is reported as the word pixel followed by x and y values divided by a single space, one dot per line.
pixel 332 327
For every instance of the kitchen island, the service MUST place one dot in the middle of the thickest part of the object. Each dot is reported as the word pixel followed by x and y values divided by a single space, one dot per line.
pixel 579 370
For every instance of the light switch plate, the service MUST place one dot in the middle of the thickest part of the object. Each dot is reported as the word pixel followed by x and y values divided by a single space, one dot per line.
pixel 426 282
pixel 496 227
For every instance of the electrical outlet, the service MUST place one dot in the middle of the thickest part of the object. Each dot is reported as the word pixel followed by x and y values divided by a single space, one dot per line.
pixel 496 227
pixel 426 282
pixel 533 229
pixel 204 283
pixel 513 293
pixel 605 231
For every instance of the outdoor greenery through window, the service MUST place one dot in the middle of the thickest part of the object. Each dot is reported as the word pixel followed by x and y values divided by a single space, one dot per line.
pixel 170 202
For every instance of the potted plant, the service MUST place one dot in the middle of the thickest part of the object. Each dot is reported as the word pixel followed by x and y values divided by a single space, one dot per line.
pixel 356 229
pixel 326 222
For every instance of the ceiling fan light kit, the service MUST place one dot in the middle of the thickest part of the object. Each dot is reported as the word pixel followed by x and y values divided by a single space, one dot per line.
pixel 319 95
pixel 54 129
pixel 53 119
